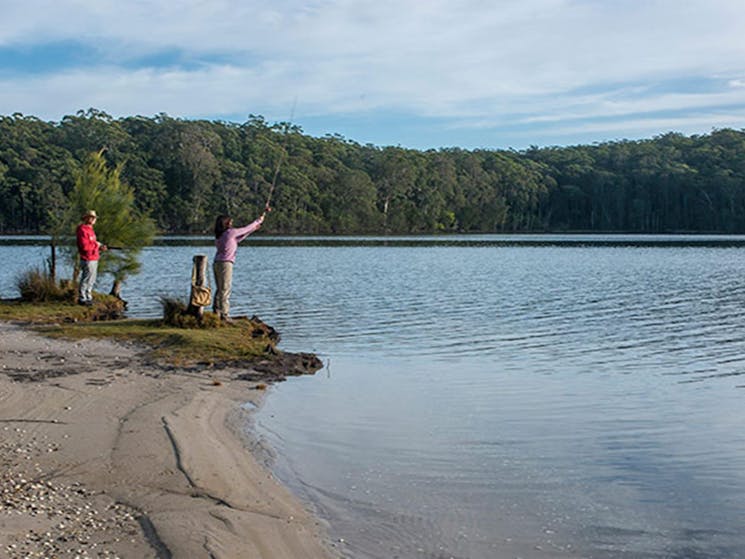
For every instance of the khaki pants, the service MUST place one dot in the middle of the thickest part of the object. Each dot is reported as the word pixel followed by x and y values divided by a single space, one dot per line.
pixel 223 285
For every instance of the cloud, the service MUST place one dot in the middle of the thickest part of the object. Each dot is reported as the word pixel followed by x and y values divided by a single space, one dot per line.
pixel 469 63
pixel 649 127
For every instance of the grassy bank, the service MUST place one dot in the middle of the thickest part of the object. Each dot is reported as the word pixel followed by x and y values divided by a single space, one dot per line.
pixel 240 342
pixel 243 342
pixel 46 312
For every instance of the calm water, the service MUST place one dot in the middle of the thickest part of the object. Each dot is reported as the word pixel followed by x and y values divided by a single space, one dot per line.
pixel 492 397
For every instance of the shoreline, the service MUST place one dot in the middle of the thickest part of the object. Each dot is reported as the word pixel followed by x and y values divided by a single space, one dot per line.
pixel 105 455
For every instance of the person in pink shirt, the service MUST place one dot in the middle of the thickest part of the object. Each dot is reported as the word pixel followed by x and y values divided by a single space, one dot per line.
pixel 227 238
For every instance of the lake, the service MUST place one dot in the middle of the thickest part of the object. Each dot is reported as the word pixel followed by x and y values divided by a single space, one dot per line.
pixel 498 396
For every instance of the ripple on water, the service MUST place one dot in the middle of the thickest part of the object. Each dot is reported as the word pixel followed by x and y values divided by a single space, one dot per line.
pixel 504 400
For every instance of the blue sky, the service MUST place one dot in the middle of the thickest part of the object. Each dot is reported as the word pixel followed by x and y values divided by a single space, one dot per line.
pixel 416 73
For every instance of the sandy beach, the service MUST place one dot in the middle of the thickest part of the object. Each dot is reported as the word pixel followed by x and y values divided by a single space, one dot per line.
pixel 105 455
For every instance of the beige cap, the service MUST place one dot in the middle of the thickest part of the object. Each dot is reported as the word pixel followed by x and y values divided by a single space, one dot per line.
pixel 90 213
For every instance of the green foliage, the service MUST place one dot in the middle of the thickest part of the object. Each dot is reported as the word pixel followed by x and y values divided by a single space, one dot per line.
pixel 120 225
pixel 34 173
pixel 183 173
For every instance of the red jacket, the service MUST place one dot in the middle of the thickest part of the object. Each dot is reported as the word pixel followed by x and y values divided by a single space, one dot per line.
pixel 87 243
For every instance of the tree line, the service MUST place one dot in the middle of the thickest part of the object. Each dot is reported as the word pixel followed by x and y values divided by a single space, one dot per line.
pixel 185 172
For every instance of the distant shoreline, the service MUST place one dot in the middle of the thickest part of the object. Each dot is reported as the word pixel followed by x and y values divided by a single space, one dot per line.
pixel 444 239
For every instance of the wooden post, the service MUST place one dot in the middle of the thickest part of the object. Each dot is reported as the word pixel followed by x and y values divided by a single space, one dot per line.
pixel 53 262
pixel 199 278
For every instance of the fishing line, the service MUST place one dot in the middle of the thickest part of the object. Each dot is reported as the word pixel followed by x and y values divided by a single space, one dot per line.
pixel 282 155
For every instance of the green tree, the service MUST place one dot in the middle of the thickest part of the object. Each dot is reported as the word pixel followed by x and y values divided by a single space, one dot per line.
pixel 184 172
pixel 120 225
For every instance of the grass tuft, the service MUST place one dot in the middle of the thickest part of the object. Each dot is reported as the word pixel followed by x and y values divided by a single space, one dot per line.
pixel 36 286
pixel 176 313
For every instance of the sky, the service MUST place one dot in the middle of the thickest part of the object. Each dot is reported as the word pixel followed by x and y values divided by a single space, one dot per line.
pixel 423 74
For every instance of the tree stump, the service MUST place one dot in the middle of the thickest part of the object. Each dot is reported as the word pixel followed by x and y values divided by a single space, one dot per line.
pixel 198 280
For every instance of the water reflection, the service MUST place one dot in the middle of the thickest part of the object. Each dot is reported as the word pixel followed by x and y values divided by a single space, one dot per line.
pixel 537 401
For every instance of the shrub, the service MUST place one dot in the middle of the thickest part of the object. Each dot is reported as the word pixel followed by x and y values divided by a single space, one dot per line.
pixel 107 307
pixel 176 313
pixel 172 310
pixel 36 285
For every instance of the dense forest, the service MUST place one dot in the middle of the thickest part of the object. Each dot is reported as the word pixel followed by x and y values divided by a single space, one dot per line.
pixel 185 172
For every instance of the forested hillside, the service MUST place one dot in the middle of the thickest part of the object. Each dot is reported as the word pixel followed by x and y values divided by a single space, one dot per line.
pixel 185 172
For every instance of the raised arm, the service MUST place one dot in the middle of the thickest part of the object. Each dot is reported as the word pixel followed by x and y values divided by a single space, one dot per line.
pixel 243 232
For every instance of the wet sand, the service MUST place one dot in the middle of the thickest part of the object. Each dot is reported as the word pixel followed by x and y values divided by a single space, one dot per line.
pixel 105 455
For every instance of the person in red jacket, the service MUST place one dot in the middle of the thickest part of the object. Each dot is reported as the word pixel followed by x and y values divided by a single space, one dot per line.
pixel 89 250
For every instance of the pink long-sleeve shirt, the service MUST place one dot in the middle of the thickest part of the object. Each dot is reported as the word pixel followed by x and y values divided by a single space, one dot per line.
pixel 227 244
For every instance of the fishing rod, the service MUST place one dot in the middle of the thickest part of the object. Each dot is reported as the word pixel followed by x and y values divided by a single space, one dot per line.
pixel 267 205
